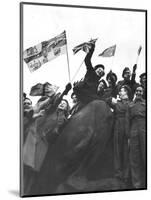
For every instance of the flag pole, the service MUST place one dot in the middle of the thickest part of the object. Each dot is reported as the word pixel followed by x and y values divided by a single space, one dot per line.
pixel 138 53
pixel 68 62
pixel 77 70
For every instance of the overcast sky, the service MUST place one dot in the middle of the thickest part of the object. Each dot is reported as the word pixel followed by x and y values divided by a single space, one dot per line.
pixel 124 28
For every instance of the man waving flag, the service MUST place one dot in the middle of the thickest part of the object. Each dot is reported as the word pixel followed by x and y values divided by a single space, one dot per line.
pixel 84 46
pixel 108 52
pixel 46 51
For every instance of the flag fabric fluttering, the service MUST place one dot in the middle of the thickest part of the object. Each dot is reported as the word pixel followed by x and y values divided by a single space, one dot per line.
pixel 46 51
pixel 108 52
pixel 41 89
pixel 84 46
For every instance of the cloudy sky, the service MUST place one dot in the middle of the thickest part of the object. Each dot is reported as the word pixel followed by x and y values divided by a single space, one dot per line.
pixel 126 29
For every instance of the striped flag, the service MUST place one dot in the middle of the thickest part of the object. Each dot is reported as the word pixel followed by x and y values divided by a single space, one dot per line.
pixel 46 51
pixel 84 46
pixel 108 52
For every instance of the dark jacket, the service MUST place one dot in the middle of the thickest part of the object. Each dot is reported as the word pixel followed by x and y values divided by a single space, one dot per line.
pixel 131 83
pixel 86 90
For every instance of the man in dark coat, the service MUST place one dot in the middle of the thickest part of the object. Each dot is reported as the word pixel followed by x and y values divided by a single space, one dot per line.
pixel 137 111
pixel 86 90
pixel 128 79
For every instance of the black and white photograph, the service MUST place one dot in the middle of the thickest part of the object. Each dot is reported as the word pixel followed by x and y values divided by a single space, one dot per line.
pixel 83 99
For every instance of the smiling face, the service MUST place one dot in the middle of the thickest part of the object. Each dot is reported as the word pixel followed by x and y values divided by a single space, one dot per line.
pixel 63 105
pixel 99 71
pixel 123 94
pixel 139 92
pixel 27 104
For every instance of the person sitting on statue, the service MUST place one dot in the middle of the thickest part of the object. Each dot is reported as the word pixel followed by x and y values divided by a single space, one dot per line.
pixel 128 79
pixel 143 84
pixel 86 90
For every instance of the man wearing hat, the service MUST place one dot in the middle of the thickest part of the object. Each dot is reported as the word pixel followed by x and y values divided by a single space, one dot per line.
pixel 143 84
pixel 128 79
pixel 86 90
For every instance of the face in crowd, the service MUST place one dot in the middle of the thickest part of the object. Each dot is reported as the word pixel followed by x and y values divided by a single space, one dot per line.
pixel 127 74
pixel 109 82
pixel 139 92
pixel 101 87
pixel 63 105
pixel 143 80
pixel 100 72
pixel 123 93
pixel 27 104
pixel 74 99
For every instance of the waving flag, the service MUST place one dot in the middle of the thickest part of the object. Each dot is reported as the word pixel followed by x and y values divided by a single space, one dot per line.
pixel 46 51
pixel 108 52
pixel 139 50
pixel 41 89
pixel 84 46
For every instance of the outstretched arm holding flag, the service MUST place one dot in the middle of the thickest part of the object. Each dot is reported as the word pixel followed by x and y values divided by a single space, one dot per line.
pixel 86 90
pixel 88 57
pixel 86 47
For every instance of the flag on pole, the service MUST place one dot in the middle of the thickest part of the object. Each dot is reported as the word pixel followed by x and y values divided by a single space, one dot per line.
pixel 108 52
pixel 46 51
pixel 139 50
pixel 84 46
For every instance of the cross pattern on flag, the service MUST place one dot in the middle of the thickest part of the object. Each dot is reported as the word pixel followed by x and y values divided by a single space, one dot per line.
pixel 108 52
pixel 84 46
pixel 46 51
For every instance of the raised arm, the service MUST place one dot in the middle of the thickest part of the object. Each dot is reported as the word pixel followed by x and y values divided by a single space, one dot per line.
pixel 88 57
pixel 59 97
pixel 134 73
pixel 41 105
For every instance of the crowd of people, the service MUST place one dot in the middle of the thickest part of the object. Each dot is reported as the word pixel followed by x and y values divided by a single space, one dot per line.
pixel 127 101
